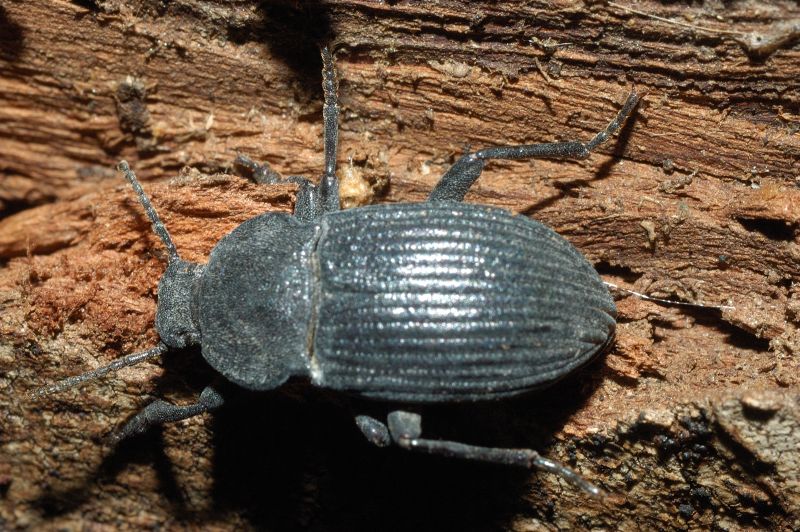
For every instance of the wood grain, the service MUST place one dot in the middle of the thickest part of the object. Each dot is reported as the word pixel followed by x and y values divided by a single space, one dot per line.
pixel 691 421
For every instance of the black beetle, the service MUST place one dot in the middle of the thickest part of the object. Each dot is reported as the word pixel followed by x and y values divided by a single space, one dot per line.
pixel 431 302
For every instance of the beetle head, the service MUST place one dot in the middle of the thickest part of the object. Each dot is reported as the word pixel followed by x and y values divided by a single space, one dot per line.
pixel 176 317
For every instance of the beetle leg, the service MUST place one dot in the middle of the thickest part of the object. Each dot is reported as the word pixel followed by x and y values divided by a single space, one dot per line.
pixel 159 412
pixel 307 206
pixel 259 173
pixel 405 429
pixel 459 178
pixel 376 432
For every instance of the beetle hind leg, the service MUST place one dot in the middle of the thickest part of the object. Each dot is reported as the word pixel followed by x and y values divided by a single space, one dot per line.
pixel 159 412
pixel 405 430
pixel 459 178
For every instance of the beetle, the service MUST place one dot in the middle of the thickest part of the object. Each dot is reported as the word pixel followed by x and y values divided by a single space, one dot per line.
pixel 433 302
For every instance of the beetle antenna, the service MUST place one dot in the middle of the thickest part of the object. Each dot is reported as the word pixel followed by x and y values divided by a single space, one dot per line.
pixel 118 364
pixel 330 110
pixel 668 301
pixel 158 225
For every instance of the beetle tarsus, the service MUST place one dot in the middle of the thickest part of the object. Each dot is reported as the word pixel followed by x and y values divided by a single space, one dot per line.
pixel 627 108
pixel 259 173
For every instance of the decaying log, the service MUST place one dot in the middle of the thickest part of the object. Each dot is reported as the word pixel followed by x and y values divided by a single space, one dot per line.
pixel 692 420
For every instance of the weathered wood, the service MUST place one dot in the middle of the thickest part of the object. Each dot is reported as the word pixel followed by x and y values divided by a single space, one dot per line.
pixel 692 420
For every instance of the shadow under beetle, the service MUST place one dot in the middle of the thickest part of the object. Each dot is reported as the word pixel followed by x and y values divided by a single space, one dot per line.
pixel 431 302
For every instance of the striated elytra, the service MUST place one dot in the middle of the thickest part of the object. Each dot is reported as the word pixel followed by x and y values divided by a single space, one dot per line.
pixel 440 301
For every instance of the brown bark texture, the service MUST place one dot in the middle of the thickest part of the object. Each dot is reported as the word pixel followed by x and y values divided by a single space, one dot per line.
pixel 690 421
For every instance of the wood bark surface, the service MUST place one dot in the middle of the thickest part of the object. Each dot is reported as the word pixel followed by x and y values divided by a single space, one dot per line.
pixel 690 421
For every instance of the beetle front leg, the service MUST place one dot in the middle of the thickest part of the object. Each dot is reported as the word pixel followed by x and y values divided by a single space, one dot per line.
pixel 259 173
pixel 307 206
pixel 159 412
pixel 459 178
pixel 405 430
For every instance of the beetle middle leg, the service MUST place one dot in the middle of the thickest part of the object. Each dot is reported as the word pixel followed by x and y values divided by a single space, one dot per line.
pixel 159 412
pixel 459 178
pixel 404 429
